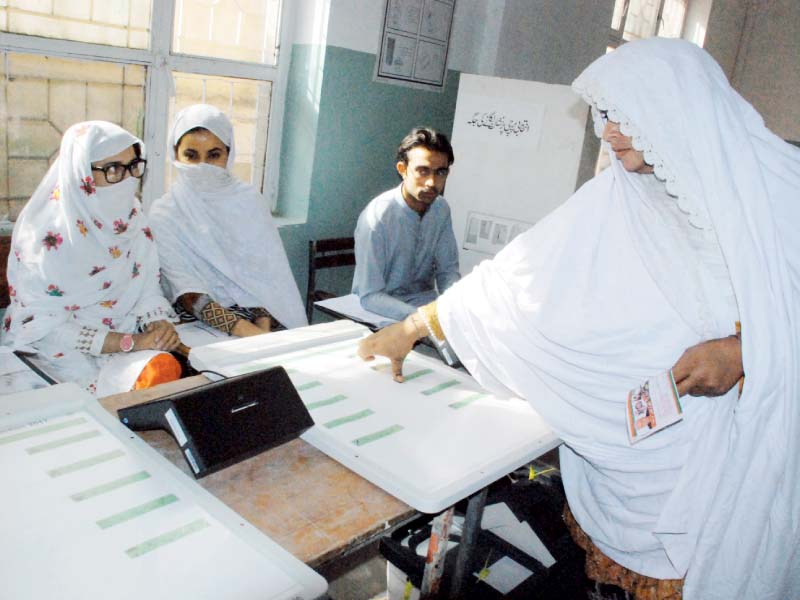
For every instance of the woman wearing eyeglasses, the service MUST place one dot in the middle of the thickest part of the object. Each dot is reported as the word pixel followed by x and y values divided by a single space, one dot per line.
pixel 83 273
pixel 221 255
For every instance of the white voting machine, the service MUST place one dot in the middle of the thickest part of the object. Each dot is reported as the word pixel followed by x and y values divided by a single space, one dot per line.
pixel 89 510
pixel 430 441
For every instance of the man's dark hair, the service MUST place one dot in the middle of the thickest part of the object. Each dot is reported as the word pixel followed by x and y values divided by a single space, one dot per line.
pixel 426 137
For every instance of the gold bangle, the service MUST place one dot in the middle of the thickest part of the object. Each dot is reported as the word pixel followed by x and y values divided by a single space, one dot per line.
pixel 430 317
pixel 421 333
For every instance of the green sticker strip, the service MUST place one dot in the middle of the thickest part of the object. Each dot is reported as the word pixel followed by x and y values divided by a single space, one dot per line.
pixel 377 435
pixel 334 348
pixel 137 511
pixel 29 433
pixel 326 402
pixel 468 400
pixel 416 374
pixel 110 486
pixel 440 387
pixel 349 418
pixel 308 386
pixel 166 538
pixel 381 367
pixel 260 366
pixel 86 463
pixel 73 439
pixel 252 367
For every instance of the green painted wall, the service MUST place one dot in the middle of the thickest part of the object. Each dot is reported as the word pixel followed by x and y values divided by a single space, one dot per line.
pixel 336 159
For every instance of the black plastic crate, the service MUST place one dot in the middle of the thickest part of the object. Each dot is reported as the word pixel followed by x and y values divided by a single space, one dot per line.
pixel 540 502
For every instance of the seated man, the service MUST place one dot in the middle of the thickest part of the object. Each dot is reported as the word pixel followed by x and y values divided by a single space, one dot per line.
pixel 405 247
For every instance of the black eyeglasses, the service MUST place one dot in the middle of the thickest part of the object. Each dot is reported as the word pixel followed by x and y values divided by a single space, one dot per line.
pixel 115 172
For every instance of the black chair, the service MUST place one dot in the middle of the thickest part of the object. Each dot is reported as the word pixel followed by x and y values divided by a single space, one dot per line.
pixel 326 254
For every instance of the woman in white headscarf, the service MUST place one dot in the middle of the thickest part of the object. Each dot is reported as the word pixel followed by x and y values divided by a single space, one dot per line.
pixel 648 267
pixel 83 273
pixel 221 255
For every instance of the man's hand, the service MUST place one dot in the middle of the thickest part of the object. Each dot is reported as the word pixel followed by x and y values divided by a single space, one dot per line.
pixel 710 368
pixel 158 335
pixel 394 342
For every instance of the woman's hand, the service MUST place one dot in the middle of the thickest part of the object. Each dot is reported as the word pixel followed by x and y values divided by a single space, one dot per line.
pixel 158 335
pixel 394 342
pixel 710 368
pixel 264 324
pixel 245 328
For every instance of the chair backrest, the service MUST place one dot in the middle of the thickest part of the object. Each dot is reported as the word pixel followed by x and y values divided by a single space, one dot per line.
pixel 326 254
pixel 5 249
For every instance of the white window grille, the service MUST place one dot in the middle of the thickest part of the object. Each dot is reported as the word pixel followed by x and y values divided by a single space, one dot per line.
pixel 133 62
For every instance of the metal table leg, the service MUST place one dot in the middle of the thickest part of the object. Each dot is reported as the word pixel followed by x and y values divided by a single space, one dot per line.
pixel 437 547
pixel 469 537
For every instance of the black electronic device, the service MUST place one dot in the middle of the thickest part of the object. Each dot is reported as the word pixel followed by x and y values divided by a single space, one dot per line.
pixel 227 421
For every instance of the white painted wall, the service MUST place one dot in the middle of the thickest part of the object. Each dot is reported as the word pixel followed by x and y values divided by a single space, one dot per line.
pixel 545 40
pixel 757 43
pixel 356 25
pixel 309 21
pixel 552 41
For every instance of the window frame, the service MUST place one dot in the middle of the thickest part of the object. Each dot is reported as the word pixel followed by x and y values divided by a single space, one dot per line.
pixel 615 36
pixel 159 62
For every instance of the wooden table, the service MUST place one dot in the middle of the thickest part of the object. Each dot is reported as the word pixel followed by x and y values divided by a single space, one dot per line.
pixel 308 503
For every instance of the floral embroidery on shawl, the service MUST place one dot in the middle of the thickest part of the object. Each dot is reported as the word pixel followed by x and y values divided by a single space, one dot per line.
pixel 51 240
pixel 87 185
pixel 120 226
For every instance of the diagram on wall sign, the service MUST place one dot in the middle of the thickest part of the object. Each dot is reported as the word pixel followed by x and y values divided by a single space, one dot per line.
pixel 436 20
pixel 489 234
pixel 429 441
pixel 414 42
pixel 404 15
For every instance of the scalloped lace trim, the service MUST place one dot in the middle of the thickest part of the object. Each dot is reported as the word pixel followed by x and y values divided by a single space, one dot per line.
pixel 697 215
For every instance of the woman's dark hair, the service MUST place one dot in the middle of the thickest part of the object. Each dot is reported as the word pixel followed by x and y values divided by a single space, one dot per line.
pixel 426 137
pixel 195 130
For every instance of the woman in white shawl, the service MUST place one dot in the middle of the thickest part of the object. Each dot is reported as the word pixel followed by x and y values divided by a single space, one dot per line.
pixel 221 255
pixel 83 274
pixel 638 273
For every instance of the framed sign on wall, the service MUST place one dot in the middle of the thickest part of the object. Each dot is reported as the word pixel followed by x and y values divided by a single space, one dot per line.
pixel 414 42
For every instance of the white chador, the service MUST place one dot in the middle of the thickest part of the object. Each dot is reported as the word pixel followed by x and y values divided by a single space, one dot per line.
pixel 215 233
pixel 612 288
pixel 84 264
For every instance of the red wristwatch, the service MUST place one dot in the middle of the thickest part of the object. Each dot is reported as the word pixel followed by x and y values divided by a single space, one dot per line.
pixel 126 342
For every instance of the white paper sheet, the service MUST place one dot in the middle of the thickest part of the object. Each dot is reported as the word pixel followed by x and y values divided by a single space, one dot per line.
pixel 500 520
pixel 350 307
pixel 506 574
pixel 198 334
pixel 15 375
pixel 430 441
pixel 86 515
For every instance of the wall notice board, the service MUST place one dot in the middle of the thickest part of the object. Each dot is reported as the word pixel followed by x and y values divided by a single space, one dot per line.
pixel 518 146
